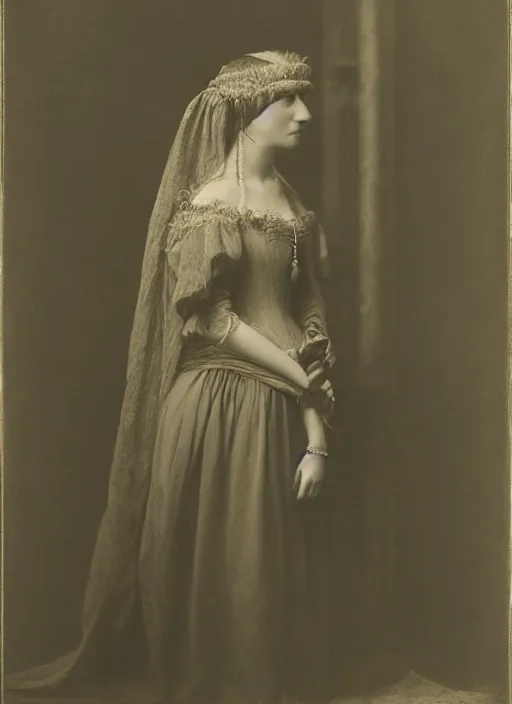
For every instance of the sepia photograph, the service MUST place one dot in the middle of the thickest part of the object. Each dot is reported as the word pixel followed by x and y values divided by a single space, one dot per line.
pixel 255 266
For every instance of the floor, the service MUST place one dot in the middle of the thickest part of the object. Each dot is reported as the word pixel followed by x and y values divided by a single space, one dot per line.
pixel 413 689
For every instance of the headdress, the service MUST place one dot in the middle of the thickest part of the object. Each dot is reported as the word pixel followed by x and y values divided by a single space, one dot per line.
pixel 199 150
pixel 277 74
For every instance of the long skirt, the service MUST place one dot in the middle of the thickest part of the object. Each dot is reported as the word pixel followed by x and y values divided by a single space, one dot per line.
pixel 233 568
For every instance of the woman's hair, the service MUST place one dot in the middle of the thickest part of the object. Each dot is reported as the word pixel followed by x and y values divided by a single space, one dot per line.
pixel 242 115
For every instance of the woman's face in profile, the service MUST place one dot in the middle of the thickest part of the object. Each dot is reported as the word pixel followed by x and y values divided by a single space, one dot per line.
pixel 280 124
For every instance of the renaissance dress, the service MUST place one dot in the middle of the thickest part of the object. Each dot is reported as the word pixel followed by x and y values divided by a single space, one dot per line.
pixel 230 559
pixel 232 578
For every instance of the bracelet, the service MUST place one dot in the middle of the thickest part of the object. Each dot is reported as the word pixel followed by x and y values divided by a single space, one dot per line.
pixel 313 450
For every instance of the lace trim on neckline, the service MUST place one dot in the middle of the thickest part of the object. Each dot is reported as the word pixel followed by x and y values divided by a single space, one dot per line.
pixel 260 216
pixel 274 226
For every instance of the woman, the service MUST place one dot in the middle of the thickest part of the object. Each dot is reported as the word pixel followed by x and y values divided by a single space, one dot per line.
pixel 210 559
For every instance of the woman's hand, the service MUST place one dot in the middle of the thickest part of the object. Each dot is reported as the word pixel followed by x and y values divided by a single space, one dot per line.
pixel 316 373
pixel 318 381
pixel 309 476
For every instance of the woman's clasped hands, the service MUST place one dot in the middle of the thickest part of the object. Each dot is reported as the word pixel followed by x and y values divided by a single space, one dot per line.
pixel 318 381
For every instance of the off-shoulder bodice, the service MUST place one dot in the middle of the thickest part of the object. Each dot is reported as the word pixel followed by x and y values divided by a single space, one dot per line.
pixel 262 292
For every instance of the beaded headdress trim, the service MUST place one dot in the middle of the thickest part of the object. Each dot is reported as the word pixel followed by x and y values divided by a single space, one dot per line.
pixel 286 73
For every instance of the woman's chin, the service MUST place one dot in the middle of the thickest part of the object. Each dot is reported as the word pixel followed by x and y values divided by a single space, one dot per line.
pixel 292 142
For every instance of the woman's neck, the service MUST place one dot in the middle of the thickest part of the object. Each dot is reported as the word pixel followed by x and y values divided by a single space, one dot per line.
pixel 258 162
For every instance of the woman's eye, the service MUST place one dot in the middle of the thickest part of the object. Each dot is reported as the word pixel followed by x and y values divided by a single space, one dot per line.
pixel 290 98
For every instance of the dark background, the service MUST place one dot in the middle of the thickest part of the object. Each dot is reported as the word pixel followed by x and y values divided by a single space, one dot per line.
pixel 94 93
pixel 452 200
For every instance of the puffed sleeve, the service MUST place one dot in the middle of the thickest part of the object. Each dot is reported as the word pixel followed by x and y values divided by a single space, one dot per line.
pixel 310 304
pixel 204 252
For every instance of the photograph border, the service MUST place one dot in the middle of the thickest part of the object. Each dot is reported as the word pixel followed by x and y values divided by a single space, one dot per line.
pixel 509 333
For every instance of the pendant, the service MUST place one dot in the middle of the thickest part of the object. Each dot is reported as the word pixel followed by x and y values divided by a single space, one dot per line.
pixel 295 271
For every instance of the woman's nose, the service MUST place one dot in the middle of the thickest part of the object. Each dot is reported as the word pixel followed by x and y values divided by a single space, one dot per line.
pixel 302 114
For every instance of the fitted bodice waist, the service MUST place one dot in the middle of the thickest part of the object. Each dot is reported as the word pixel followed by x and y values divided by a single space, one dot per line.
pixel 208 356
